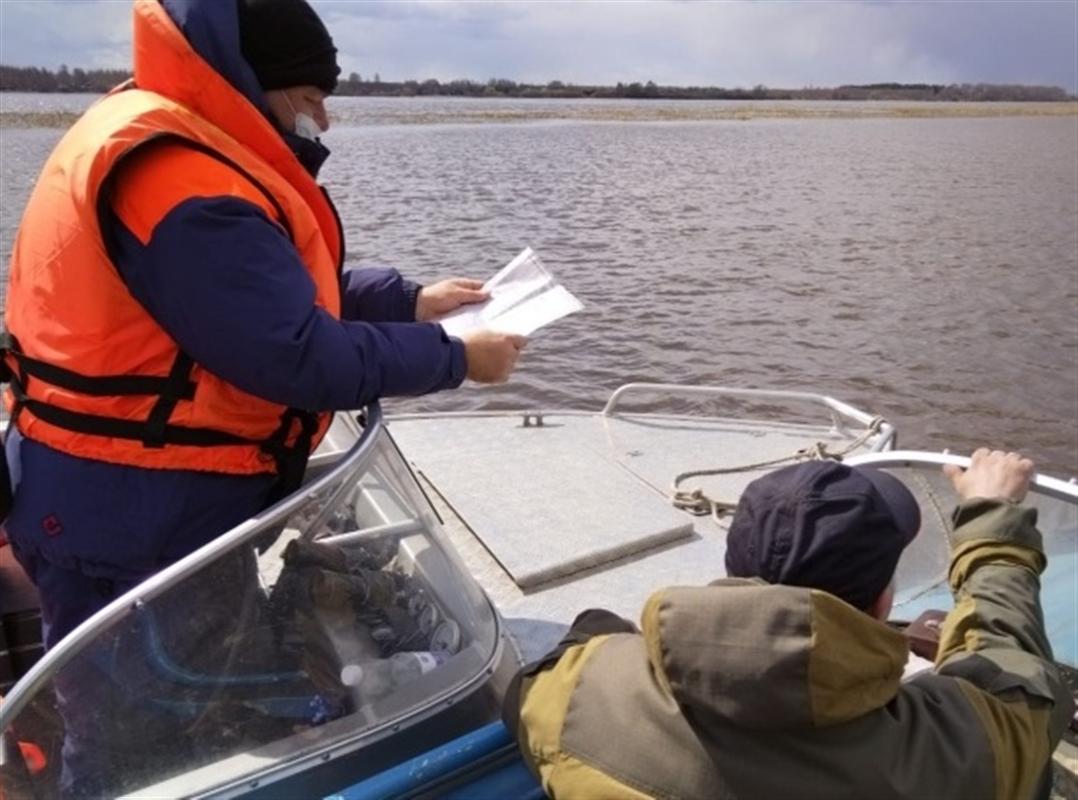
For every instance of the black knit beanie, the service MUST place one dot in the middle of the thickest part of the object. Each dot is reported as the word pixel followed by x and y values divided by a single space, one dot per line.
pixel 286 45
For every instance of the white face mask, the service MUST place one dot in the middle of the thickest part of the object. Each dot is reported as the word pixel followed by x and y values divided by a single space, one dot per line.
pixel 306 126
pixel 303 125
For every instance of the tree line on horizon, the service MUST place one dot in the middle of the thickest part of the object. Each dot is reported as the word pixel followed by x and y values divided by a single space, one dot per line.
pixel 38 79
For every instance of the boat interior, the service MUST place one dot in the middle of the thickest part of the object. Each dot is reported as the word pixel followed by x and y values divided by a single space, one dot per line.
pixel 267 664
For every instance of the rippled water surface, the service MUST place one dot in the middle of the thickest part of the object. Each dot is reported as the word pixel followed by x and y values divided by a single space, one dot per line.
pixel 923 269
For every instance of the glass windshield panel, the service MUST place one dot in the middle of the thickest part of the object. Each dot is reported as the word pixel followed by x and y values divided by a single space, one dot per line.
pixel 921 578
pixel 343 617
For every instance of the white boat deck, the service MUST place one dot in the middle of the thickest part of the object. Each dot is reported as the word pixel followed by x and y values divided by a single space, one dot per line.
pixel 575 512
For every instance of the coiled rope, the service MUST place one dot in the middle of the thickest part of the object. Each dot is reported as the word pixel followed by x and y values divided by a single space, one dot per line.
pixel 696 502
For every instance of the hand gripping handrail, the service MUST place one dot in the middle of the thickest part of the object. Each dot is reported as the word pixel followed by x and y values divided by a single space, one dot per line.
pixel 1045 484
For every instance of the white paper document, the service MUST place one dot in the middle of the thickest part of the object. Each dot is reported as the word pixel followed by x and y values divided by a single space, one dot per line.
pixel 523 298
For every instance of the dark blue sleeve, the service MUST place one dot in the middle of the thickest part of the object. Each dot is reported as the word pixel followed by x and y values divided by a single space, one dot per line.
pixel 229 287
pixel 377 294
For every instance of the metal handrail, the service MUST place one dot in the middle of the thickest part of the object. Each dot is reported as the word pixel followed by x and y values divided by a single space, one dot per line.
pixel 1044 484
pixel 389 529
pixel 58 656
pixel 887 431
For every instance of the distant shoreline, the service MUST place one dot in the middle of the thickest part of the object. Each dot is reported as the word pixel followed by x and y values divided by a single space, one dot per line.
pixel 64 80
pixel 571 111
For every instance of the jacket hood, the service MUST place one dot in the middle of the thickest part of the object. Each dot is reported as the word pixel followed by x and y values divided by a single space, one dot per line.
pixel 210 29
pixel 189 52
pixel 770 657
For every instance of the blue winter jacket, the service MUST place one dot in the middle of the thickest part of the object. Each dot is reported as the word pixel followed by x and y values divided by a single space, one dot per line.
pixel 266 337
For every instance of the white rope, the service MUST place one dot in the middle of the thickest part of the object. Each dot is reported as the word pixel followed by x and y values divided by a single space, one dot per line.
pixel 696 502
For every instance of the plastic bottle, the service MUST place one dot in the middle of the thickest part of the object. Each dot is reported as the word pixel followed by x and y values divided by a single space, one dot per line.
pixel 378 677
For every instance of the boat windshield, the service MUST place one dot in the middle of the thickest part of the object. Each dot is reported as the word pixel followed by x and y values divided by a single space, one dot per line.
pixel 335 616
pixel 921 578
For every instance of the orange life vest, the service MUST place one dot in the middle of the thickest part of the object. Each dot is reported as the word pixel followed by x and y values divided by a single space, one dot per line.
pixel 93 374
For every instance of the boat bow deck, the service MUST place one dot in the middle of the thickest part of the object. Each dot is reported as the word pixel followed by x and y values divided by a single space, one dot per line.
pixel 556 513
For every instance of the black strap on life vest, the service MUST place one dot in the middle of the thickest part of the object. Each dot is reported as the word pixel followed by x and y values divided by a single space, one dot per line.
pixel 154 431
pixel 291 460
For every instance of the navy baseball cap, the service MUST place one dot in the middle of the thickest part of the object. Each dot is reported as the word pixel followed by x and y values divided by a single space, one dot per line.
pixel 823 525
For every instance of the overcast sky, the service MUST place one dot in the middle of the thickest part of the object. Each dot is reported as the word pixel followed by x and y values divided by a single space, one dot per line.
pixel 677 42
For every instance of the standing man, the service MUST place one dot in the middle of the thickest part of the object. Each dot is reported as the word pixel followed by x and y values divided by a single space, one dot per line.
pixel 179 328
pixel 784 680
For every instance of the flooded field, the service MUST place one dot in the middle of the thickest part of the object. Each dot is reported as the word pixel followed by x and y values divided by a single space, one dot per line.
pixel 29 111
pixel 918 260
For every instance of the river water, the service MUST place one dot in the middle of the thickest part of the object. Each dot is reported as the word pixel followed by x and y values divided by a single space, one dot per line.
pixel 925 269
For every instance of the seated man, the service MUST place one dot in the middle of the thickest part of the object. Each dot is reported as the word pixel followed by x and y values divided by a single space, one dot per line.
pixel 785 681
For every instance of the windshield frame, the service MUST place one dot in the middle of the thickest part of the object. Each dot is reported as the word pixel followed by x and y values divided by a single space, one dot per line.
pixel 52 661
pixel 350 464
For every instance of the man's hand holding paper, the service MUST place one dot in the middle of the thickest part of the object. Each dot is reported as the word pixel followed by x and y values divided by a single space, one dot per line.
pixel 494 318
pixel 491 354
pixel 445 296
pixel 523 297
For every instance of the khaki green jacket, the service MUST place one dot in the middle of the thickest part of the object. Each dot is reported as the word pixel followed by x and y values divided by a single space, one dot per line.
pixel 747 690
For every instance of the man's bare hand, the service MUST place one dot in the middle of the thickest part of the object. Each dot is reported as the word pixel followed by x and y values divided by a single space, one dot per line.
pixel 992 474
pixel 491 355
pixel 448 295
